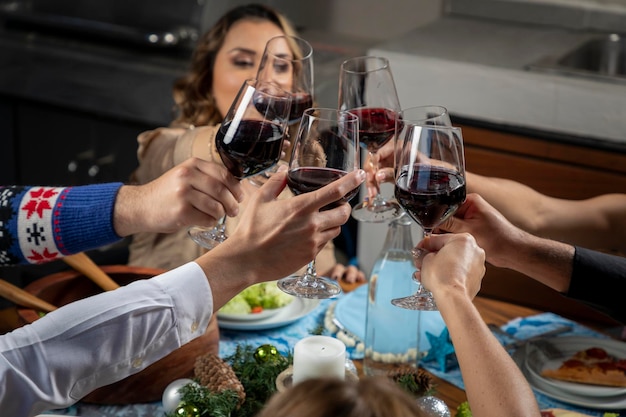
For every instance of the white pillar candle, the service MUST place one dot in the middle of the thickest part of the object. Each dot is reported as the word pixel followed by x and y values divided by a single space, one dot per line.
pixel 319 356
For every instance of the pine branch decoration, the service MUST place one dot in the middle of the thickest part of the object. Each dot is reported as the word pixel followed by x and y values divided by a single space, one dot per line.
pixel 413 380
pixel 259 379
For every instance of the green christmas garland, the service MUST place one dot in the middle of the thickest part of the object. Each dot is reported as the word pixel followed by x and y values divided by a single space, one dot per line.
pixel 256 369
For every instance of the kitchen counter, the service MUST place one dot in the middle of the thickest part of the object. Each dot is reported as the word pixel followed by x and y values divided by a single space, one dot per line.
pixel 477 69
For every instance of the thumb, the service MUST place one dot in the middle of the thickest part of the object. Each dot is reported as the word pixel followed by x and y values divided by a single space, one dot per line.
pixel 451 225
pixel 274 185
pixel 434 243
pixel 384 175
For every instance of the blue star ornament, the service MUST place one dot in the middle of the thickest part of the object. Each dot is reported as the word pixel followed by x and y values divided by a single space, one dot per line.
pixel 440 348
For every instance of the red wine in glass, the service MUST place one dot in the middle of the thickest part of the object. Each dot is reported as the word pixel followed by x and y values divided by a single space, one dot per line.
pixel 432 194
pixel 269 108
pixel 300 102
pixel 377 126
pixel 254 147
pixel 304 180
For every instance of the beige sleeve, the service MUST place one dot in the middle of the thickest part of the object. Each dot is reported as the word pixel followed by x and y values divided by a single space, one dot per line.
pixel 165 147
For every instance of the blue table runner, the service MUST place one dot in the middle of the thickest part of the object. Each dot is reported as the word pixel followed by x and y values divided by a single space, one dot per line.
pixel 285 337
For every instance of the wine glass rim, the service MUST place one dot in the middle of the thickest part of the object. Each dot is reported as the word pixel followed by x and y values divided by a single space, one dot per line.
pixel 442 111
pixel 254 83
pixel 384 64
pixel 433 127
pixel 328 112
pixel 301 43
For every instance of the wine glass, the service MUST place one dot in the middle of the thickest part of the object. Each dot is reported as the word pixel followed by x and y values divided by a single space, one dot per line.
pixel 367 89
pixel 288 61
pixel 429 184
pixel 432 115
pixel 326 148
pixel 249 141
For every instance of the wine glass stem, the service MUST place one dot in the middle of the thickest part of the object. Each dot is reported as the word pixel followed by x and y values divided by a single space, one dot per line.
pixel 310 273
pixel 373 157
pixel 422 290
pixel 221 225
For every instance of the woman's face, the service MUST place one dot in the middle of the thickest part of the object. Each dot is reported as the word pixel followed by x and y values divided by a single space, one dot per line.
pixel 239 57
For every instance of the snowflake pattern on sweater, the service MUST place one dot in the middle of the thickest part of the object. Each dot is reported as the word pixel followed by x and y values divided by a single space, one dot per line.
pixel 29 210
pixel 41 224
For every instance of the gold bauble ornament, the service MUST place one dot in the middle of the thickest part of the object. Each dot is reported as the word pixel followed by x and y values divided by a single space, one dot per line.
pixel 266 353
pixel 187 410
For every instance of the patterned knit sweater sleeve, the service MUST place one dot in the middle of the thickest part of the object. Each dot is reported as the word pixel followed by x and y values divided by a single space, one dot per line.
pixel 40 224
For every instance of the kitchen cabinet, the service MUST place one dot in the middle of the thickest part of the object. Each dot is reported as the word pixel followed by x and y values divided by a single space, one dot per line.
pixel 57 146
pixel 565 169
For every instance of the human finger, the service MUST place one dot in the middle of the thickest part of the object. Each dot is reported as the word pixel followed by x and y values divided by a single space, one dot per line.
pixel 274 185
pixel 217 189
pixel 336 191
pixel 352 275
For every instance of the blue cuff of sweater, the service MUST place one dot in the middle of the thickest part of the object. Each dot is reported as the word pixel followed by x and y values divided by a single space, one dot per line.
pixel 84 218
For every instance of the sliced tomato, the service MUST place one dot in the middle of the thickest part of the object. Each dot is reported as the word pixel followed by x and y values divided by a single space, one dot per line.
pixel 256 310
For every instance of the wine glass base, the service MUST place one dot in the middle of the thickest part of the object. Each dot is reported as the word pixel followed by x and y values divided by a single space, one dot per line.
pixel 207 238
pixel 377 212
pixel 311 287
pixel 422 302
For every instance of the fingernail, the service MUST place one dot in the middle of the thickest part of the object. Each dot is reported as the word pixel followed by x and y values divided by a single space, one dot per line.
pixel 361 174
pixel 380 175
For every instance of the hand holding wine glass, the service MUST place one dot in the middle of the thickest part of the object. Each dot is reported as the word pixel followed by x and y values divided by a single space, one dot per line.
pixel 430 184
pixel 249 141
pixel 325 149
pixel 367 89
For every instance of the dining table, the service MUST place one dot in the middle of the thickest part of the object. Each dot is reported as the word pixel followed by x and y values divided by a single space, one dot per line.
pixel 448 386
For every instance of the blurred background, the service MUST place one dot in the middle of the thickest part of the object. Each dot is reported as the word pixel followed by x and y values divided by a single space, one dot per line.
pixel 539 87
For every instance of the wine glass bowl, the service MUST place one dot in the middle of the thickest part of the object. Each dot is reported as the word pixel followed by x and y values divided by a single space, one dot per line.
pixel 429 184
pixel 326 148
pixel 367 89
pixel 288 61
pixel 249 141
pixel 433 115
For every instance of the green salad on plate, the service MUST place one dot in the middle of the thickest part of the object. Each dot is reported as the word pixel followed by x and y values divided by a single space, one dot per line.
pixel 256 299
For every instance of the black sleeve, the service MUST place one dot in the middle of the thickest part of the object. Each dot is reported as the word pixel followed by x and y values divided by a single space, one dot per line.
pixel 599 279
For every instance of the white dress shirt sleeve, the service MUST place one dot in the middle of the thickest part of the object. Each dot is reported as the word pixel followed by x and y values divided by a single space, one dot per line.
pixel 96 341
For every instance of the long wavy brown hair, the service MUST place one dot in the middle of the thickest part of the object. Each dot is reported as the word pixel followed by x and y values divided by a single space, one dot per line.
pixel 193 93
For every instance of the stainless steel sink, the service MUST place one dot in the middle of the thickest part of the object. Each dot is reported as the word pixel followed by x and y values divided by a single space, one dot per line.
pixel 602 58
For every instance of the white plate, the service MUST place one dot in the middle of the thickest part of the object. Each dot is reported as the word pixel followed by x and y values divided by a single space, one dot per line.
pixel 268 312
pixel 586 395
pixel 536 363
pixel 297 309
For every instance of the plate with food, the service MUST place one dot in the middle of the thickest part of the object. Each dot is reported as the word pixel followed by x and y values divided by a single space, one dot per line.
pixel 588 366
pixel 299 308
pixel 590 372
pixel 257 302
